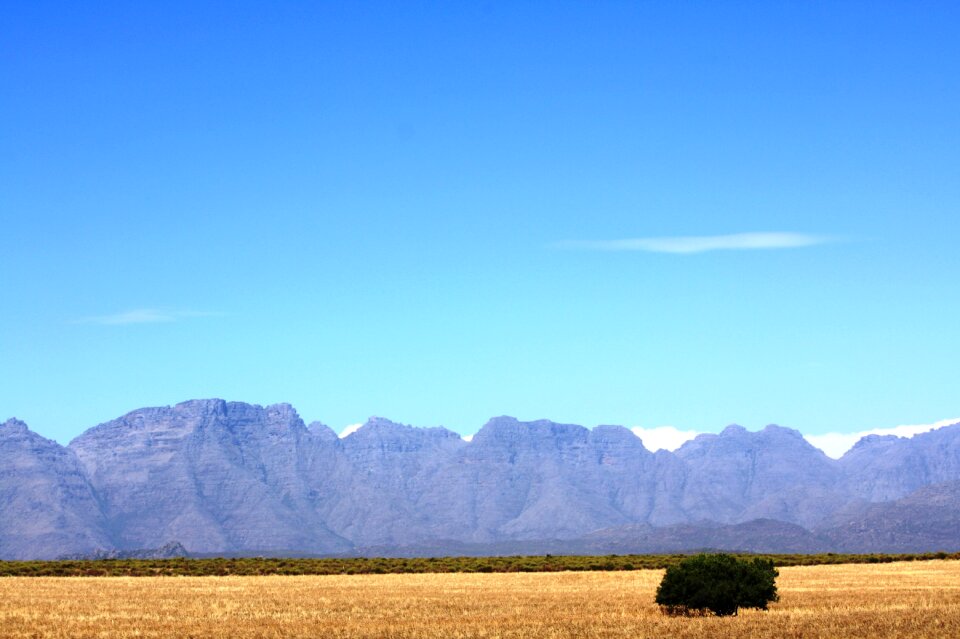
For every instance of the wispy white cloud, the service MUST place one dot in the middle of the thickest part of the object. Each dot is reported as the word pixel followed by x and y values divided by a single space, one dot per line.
pixel 349 430
pixel 143 316
pixel 466 438
pixel 836 444
pixel 663 437
pixel 689 244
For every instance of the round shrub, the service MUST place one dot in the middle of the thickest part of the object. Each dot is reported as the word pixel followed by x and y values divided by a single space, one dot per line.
pixel 719 584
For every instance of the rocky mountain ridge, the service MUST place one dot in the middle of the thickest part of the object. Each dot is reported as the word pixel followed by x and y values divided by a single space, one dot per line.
pixel 230 477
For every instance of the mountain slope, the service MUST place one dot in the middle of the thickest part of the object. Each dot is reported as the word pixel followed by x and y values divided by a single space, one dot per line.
pixel 774 473
pixel 229 477
pixel 382 474
pixel 883 468
pixel 47 506
pixel 926 520
pixel 214 475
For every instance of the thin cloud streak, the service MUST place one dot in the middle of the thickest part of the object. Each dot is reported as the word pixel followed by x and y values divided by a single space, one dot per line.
pixel 143 316
pixel 690 244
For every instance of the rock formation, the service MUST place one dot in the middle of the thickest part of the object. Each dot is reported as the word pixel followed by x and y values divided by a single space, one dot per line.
pixel 233 478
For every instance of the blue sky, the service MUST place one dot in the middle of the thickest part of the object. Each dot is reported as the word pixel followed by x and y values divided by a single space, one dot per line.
pixel 640 213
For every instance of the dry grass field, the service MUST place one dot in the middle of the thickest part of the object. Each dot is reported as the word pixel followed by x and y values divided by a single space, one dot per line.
pixel 917 599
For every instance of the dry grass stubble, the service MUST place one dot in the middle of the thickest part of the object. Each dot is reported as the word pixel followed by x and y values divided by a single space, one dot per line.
pixel 920 599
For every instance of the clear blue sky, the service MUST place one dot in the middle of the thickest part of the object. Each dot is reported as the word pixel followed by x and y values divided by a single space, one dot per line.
pixel 440 212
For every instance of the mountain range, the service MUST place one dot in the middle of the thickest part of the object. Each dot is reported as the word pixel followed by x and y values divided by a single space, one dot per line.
pixel 233 478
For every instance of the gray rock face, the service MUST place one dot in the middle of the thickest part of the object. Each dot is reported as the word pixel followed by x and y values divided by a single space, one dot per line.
pixel 47 506
pixel 228 477
pixel 543 480
pixel 214 475
pixel 774 473
pixel 884 468
pixel 926 520
pixel 382 475
pixel 759 535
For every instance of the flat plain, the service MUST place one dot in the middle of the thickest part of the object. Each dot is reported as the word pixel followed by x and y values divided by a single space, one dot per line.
pixel 909 599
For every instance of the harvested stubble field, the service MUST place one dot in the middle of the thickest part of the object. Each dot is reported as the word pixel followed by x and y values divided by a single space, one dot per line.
pixel 916 599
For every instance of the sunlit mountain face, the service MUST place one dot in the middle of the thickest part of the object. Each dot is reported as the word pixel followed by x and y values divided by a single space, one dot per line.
pixel 235 478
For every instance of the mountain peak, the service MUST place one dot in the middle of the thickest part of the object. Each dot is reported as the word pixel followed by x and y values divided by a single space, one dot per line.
pixel 501 420
pixel 868 441
pixel 14 425
pixel 322 432
pixel 14 430
pixel 230 477
pixel 505 424
pixel 383 428
pixel 211 405
pixel 782 431
pixel 375 421
pixel 733 430
pixel 613 431
pixel 282 408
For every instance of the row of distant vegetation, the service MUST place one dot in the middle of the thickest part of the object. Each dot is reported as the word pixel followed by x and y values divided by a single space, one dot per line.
pixel 251 566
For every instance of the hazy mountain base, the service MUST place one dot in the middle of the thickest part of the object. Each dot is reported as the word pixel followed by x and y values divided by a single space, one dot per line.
pixel 925 521
pixel 231 478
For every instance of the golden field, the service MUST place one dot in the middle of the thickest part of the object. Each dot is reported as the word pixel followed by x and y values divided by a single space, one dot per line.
pixel 915 599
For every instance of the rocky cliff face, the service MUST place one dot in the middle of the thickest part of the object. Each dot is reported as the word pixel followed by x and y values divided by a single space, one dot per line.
pixel 925 520
pixel 47 506
pixel 884 468
pixel 535 480
pixel 213 475
pixel 774 473
pixel 228 477
pixel 383 474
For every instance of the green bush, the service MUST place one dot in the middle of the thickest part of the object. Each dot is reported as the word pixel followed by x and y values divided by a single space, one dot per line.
pixel 720 584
